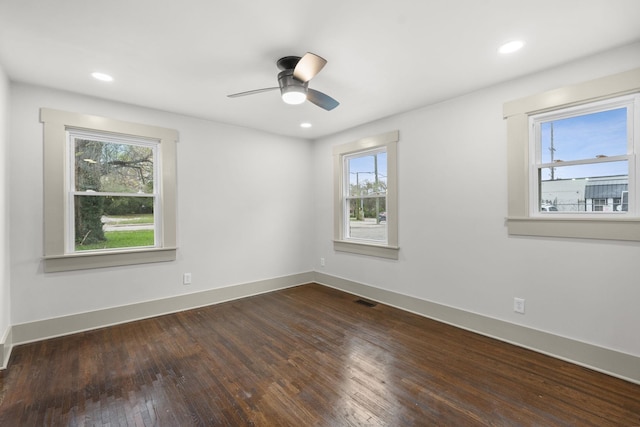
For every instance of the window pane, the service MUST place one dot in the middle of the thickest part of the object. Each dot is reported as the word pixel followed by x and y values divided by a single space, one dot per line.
pixel 110 167
pixel 368 219
pixel 585 188
pixel 104 222
pixel 593 170
pixel 367 174
pixel 586 136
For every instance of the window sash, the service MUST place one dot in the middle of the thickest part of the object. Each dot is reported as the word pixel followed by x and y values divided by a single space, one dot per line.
pixel 78 134
pixel 71 226
pixel 347 171
pixel 347 219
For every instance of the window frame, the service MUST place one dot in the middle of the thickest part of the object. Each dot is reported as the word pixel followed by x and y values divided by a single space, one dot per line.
pixel 56 125
pixel 519 220
pixel 348 198
pixel 341 242
pixel 72 135
pixel 631 103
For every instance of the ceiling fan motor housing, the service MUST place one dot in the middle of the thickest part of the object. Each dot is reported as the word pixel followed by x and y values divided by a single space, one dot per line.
pixel 288 62
pixel 293 91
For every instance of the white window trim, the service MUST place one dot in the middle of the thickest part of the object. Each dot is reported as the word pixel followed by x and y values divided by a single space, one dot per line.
pixel 56 123
pixel 517 113
pixel 390 248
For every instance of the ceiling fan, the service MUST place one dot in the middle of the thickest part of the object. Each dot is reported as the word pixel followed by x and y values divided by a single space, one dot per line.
pixel 293 81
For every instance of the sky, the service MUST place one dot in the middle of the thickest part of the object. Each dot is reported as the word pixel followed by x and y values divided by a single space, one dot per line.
pixel 585 137
pixel 362 169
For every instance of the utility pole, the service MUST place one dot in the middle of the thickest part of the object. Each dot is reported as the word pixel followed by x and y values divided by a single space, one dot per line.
pixel 552 150
pixel 375 169
pixel 359 208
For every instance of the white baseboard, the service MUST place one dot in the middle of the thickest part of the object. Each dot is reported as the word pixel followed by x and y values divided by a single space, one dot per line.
pixel 65 325
pixel 6 345
pixel 600 359
pixel 611 362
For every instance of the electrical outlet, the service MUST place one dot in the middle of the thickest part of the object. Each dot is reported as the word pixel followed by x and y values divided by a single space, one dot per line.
pixel 321 262
pixel 518 305
pixel 186 279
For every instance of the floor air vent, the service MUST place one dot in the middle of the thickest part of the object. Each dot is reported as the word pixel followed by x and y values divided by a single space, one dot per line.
pixel 366 303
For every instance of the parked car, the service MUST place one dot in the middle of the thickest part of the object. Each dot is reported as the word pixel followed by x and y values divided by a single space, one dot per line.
pixel 548 208
pixel 382 216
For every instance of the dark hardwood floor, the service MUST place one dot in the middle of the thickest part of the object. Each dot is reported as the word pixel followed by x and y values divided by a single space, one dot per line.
pixel 305 356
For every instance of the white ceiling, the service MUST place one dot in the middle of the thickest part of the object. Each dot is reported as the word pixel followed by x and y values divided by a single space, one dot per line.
pixel 385 56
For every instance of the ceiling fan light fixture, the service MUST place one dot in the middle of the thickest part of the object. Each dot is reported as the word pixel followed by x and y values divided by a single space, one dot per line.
pixel 294 95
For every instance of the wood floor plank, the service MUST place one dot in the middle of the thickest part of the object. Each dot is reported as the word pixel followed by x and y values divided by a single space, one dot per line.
pixel 308 355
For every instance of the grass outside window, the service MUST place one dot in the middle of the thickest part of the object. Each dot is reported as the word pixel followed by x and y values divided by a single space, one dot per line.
pixel 122 234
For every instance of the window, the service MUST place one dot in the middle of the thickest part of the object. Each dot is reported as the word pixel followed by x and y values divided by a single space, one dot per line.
pixel 581 157
pixel 366 219
pixel 624 202
pixel 365 189
pixel 574 149
pixel 598 205
pixel 109 192
pixel 113 191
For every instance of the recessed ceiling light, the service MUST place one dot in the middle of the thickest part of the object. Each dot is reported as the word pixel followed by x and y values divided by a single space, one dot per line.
pixel 102 77
pixel 305 125
pixel 511 46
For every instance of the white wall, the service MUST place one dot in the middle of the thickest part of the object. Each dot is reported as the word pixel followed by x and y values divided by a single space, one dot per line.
pixel 256 206
pixel 244 211
pixel 454 245
pixel 5 308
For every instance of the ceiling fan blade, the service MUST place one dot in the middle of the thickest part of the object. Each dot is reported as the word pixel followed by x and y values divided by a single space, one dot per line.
pixel 321 100
pixel 308 66
pixel 252 92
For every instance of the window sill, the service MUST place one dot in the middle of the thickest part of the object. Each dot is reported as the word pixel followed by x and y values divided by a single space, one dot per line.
pixel 579 228
pixel 389 252
pixel 87 260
